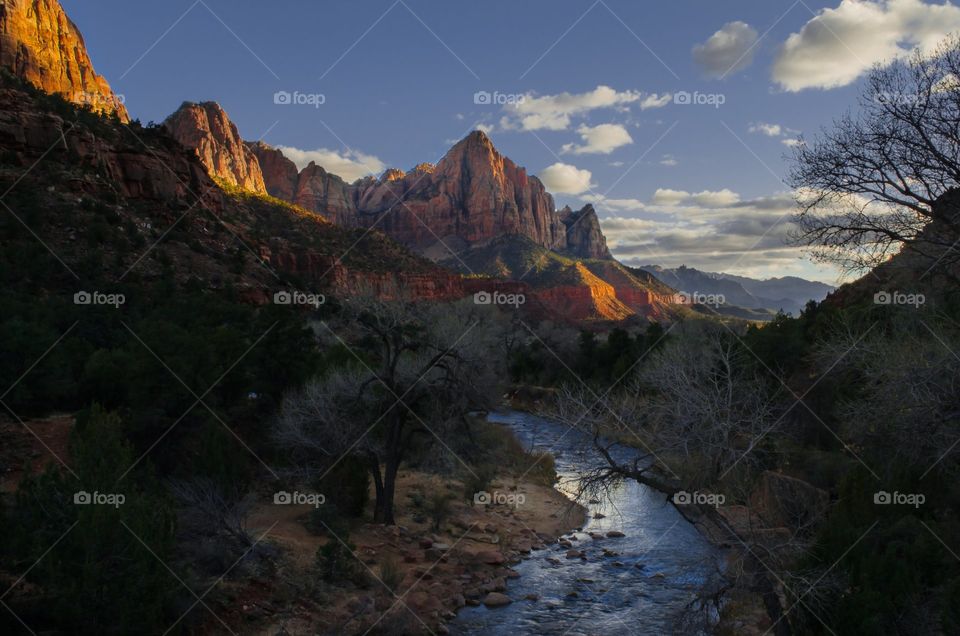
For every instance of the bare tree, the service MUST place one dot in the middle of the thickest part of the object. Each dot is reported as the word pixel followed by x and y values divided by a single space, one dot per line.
pixel 697 402
pixel 419 368
pixel 877 180
pixel 211 514
pixel 908 405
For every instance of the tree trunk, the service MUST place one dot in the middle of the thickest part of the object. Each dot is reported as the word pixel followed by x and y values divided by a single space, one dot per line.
pixel 385 505
pixel 378 491
pixel 383 511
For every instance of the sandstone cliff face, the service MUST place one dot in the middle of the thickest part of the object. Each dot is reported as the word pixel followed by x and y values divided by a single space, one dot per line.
pixel 206 129
pixel 313 188
pixel 473 195
pixel 584 237
pixel 280 175
pixel 39 43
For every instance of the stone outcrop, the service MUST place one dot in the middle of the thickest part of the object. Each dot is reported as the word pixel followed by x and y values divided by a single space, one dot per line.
pixel 583 234
pixel 474 194
pixel 206 129
pixel 40 44
pixel 280 175
pixel 313 188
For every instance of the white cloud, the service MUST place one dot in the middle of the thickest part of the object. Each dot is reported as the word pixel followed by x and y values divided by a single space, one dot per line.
pixel 654 100
pixel 349 165
pixel 666 196
pixel 770 130
pixel 602 139
pixel 554 112
pixel 669 160
pixel 838 45
pixel 707 198
pixel 716 199
pixel 614 205
pixel 728 50
pixel 562 178
pixel 790 143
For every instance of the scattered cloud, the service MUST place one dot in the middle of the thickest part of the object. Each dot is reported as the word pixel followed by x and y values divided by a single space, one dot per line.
pixel 653 100
pixel 776 130
pixel 602 139
pixel 770 130
pixel 715 199
pixel 555 112
pixel 666 196
pixel 349 165
pixel 614 205
pixel 669 160
pixel 562 178
pixel 839 45
pixel 749 237
pixel 707 198
pixel 727 51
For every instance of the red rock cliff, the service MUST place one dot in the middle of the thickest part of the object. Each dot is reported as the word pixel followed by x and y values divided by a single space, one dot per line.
pixel 206 129
pixel 40 44
pixel 473 195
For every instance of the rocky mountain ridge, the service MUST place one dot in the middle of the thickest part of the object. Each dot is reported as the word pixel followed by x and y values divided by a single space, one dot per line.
pixel 789 293
pixel 471 196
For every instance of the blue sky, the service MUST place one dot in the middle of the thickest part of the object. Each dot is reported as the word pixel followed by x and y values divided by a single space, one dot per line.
pixel 674 183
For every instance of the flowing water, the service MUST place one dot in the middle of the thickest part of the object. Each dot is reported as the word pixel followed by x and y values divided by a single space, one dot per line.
pixel 660 563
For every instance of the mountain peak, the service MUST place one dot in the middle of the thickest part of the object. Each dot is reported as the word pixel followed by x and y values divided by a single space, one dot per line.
pixel 206 129
pixel 41 45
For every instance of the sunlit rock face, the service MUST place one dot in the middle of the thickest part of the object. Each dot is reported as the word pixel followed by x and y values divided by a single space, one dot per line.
pixel 40 44
pixel 206 129
pixel 473 195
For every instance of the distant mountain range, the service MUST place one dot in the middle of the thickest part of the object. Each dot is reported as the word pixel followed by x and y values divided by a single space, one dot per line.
pixel 789 293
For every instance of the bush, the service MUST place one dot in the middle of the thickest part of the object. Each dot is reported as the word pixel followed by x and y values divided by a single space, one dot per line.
pixel 335 561
pixel 390 573
pixel 438 508
pixel 347 487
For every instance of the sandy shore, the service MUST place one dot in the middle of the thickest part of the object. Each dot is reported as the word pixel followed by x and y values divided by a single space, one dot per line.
pixel 466 562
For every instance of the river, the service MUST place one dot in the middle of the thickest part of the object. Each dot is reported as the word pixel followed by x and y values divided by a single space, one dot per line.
pixel 659 566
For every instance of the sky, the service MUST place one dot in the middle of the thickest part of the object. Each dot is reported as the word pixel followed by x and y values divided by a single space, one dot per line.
pixel 675 119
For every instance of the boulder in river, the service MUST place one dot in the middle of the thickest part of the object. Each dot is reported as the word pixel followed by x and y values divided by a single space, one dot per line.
pixel 496 599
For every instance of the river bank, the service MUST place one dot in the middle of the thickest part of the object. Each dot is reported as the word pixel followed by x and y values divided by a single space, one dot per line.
pixel 637 566
pixel 413 577
pixel 766 519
